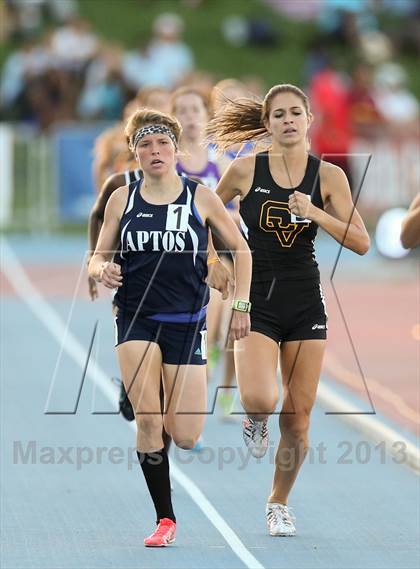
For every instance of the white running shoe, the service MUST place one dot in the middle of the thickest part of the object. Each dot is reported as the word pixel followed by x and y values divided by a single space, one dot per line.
pixel 280 520
pixel 255 435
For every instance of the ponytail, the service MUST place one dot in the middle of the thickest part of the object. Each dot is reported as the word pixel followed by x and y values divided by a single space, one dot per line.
pixel 239 121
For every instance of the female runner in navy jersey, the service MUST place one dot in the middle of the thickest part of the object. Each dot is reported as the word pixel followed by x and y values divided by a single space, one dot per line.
pixel 160 227
pixel 280 223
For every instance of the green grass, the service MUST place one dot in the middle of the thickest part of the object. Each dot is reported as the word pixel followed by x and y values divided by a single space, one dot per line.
pixel 129 22
pixel 132 21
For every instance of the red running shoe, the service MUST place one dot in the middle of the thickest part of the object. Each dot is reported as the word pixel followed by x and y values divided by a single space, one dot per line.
pixel 163 535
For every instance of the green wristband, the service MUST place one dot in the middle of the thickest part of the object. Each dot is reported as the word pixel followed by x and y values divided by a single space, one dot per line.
pixel 241 305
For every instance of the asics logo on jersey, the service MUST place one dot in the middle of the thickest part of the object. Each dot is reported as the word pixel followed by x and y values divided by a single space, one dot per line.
pixel 262 190
pixel 275 218
pixel 318 327
pixel 144 214
pixel 155 241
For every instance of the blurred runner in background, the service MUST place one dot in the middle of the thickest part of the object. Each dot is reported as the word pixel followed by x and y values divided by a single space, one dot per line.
pixel 196 159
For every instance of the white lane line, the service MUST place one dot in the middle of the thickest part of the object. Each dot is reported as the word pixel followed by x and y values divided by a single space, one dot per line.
pixel 17 277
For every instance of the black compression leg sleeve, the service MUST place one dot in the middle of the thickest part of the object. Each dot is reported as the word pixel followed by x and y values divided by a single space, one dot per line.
pixel 155 468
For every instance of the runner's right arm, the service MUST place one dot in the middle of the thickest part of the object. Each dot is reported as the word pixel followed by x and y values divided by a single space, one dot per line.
pixel 96 218
pixel 97 213
pixel 101 267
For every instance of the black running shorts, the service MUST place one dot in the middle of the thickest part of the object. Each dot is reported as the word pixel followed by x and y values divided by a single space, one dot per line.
pixel 289 310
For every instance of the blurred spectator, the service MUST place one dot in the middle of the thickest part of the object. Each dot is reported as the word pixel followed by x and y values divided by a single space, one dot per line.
pixel 104 100
pixel 47 98
pixel 25 18
pixel 239 31
pixel 165 61
pixel 23 66
pixel 375 47
pixel 12 81
pixel 331 130
pixel 38 85
pixel 170 58
pixel 103 94
pixel 62 10
pixel 345 20
pixel 235 30
pixel 136 68
pixel 399 107
pixel 316 58
pixel 74 45
pixel 366 119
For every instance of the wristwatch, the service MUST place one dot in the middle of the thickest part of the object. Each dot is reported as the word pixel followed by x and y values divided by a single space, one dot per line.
pixel 241 305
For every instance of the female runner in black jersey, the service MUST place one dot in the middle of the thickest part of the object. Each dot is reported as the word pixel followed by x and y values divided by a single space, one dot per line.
pixel 286 193
pixel 159 225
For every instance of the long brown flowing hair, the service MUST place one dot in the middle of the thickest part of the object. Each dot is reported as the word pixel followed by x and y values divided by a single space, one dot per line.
pixel 243 120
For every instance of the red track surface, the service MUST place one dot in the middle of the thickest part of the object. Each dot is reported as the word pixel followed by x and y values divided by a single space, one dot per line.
pixel 382 318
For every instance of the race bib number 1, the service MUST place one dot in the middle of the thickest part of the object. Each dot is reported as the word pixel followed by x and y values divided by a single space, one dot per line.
pixel 177 218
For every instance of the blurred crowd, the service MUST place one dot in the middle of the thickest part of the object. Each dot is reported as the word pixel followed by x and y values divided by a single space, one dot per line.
pixel 70 73
pixel 368 25
pixel 73 74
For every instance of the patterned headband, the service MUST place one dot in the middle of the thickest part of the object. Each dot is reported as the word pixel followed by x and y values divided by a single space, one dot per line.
pixel 153 129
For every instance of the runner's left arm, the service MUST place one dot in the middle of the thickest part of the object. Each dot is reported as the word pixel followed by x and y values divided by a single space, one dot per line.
pixel 339 217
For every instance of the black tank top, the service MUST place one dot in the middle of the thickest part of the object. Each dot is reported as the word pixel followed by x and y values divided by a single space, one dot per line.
pixel 282 244
pixel 163 257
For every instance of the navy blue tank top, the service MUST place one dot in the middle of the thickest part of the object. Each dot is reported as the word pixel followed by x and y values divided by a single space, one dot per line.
pixel 281 243
pixel 163 257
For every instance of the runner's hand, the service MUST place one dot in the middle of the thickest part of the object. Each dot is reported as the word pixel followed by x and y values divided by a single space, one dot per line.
pixel 111 275
pixel 300 205
pixel 220 278
pixel 240 325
